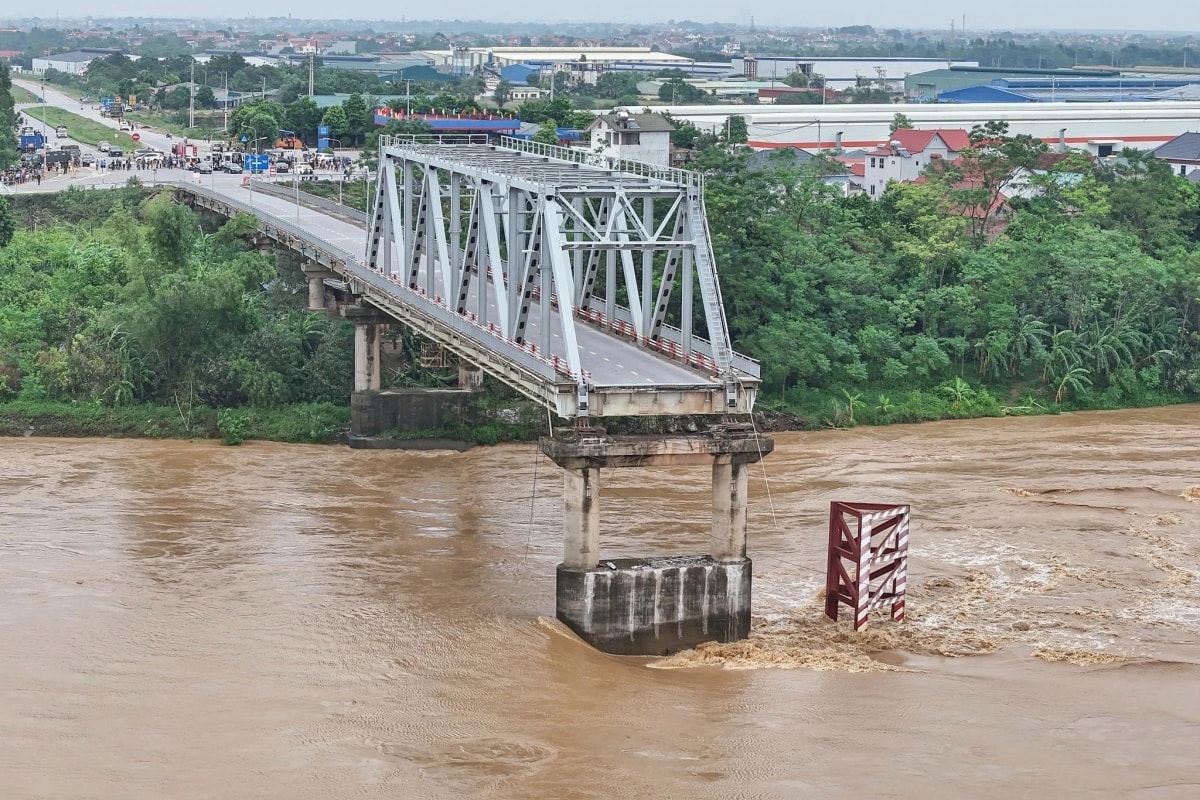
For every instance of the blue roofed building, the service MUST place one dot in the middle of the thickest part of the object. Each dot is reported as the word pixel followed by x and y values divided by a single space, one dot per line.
pixel 517 73
pixel 984 94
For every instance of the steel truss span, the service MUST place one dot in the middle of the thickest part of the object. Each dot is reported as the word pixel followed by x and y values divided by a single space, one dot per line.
pixel 586 283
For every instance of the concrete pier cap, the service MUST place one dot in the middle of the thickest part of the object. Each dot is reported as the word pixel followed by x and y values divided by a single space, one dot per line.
pixel 653 606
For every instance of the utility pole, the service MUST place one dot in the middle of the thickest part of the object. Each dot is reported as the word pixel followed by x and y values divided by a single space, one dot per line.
pixel 225 106
pixel 192 97
pixel 311 59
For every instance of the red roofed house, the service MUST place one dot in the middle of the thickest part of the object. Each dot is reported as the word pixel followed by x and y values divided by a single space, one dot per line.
pixel 907 153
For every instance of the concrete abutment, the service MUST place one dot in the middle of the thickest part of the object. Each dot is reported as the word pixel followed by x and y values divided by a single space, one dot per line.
pixel 653 606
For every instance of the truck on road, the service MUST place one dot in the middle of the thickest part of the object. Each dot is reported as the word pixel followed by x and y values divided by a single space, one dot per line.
pixel 31 140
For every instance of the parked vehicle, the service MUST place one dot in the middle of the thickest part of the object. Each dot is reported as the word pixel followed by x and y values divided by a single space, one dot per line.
pixel 59 157
pixel 103 147
pixel 60 132
pixel 288 140
pixel 233 168
pixel 31 139
pixel 88 160
pixel 204 168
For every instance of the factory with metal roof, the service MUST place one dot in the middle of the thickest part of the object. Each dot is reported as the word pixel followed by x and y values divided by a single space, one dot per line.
pixel 959 84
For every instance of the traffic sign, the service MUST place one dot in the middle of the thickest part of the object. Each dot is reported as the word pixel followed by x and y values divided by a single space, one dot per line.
pixel 137 137
pixel 256 163
pixel 245 138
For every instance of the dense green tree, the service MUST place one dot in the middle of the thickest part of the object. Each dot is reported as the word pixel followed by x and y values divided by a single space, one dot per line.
pixel 9 152
pixel 206 98
pixel 547 132
pixel 736 130
pixel 7 226
pixel 614 85
pixel 335 118
pixel 360 117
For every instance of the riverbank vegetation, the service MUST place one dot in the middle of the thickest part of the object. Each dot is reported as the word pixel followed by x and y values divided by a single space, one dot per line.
pixel 129 316
pixel 959 295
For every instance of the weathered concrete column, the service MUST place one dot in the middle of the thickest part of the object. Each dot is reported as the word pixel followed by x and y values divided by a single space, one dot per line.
pixel 316 275
pixel 581 518
pixel 470 376
pixel 731 483
pixel 366 356
pixel 316 294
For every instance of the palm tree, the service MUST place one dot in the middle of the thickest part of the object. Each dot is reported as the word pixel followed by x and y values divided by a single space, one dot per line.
pixel 1062 354
pixel 1028 339
pixel 1106 349
pixel 959 392
pixel 853 401
pixel 1073 381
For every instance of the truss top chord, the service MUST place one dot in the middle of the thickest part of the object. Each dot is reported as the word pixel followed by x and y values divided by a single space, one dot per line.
pixel 561 168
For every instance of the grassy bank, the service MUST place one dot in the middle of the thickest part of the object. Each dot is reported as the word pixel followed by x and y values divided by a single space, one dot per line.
pixel 82 129
pixel 312 423
pixel 808 409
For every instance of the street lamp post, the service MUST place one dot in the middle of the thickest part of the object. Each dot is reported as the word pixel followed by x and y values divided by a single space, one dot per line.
pixel 250 181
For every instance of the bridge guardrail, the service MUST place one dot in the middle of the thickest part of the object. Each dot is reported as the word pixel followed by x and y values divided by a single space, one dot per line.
pixel 578 155
pixel 307 198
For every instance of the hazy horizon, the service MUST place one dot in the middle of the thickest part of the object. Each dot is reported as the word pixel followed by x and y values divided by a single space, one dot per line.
pixel 1172 17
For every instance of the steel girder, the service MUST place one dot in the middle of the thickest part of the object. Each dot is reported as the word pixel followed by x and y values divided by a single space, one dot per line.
pixel 516 241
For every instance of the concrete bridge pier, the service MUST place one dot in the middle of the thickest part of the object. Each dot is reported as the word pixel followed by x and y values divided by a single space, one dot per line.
pixel 366 357
pixel 470 376
pixel 374 412
pixel 654 606
pixel 316 275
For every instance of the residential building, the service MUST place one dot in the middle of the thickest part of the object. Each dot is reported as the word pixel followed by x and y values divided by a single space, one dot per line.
pixel 637 137
pixel 907 153
pixel 527 93
pixel 1182 153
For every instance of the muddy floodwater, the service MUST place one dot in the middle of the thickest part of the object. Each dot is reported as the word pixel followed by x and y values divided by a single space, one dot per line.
pixel 185 620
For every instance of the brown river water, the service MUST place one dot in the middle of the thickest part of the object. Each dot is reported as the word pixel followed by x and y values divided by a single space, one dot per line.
pixel 185 620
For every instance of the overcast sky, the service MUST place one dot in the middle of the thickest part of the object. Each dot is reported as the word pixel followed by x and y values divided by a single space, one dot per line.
pixel 1162 15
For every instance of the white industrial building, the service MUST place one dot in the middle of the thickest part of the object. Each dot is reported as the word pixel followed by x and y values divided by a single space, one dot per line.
pixel 73 63
pixel 462 60
pixel 849 126
pixel 841 73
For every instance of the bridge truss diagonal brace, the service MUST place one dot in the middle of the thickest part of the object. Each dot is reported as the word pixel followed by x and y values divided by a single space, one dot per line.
pixel 487 249
pixel 867 565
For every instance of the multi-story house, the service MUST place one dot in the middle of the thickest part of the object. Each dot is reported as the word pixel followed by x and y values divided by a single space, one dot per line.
pixel 907 153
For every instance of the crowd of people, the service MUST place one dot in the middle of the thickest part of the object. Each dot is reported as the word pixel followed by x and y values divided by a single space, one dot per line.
pixel 18 175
